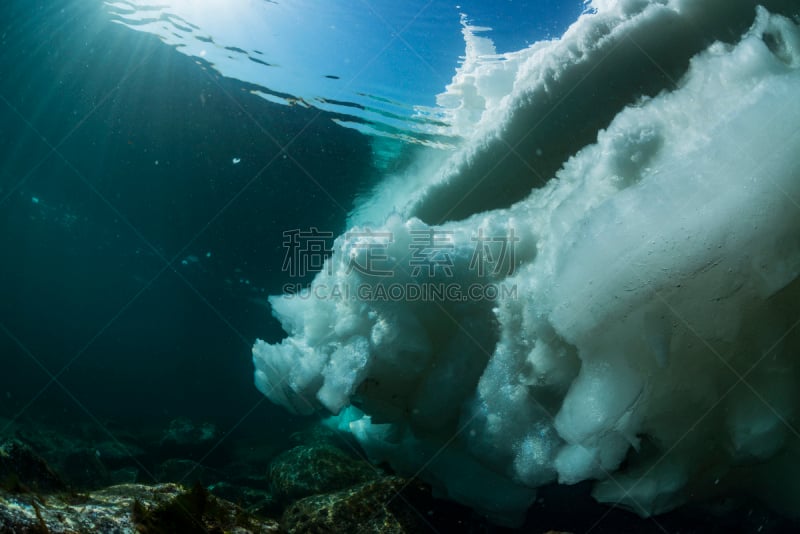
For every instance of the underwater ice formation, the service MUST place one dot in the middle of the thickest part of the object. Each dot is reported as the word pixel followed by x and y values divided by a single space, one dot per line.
pixel 652 341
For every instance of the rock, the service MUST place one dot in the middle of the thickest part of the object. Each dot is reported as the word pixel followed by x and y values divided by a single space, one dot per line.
pixel 381 506
pixel 196 510
pixel 254 500
pixel 241 495
pixel 21 469
pixel 164 508
pixel 313 469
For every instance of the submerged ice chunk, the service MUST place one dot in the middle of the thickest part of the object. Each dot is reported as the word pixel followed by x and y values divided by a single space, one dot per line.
pixel 649 344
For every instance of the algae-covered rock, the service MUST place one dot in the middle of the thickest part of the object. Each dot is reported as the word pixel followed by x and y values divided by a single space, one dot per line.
pixel 380 506
pixel 128 508
pixel 313 469
pixel 22 468
pixel 257 501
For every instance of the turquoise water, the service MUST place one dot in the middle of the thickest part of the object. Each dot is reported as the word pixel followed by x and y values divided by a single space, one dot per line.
pixel 144 189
